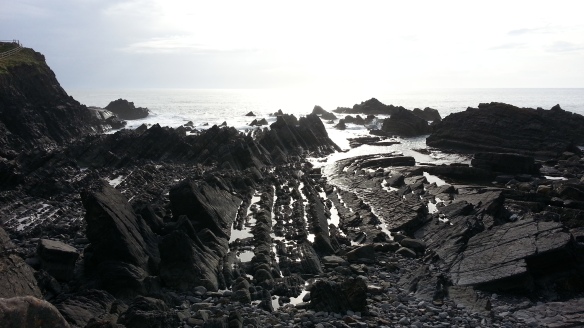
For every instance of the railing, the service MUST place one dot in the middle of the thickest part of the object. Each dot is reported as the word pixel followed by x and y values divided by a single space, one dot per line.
pixel 11 51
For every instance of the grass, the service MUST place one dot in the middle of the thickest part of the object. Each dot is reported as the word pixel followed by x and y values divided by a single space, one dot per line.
pixel 25 56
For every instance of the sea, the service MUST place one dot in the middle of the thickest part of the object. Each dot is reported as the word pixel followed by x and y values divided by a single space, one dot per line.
pixel 207 107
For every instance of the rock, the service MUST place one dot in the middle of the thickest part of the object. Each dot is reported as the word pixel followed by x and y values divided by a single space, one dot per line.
pixel 317 110
pixel 405 123
pixel 116 234
pixel 81 308
pixel 504 256
pixel 414 244
pixel 554 314
pixel 250 114
pixel 429 114
pixel 406 252
pixel 57 258
pixel 366 252
pixel 341 125
pixel 370 107
pixel 16 277
pixel 505 163
pixel 503 128
pixel 126 110
pixel 29 312
pixel 36 110
pixel 389 161
pixel 261 122
pixel 330 296
pixel 149 312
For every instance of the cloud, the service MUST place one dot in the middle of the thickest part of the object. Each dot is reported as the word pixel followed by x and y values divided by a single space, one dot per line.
pixel 526 31
pixel 563 46
pixel 509 46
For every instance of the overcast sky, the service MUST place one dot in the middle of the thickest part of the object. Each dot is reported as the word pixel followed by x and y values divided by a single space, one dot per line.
pixel 278 44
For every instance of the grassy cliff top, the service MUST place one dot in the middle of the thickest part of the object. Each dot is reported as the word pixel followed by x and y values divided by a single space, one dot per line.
pixel 26 56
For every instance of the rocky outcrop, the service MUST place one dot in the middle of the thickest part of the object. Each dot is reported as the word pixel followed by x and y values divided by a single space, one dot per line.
pixel 29 312
pixel 126 110
pixel 35 111
pixel 497 127
pixel 405 123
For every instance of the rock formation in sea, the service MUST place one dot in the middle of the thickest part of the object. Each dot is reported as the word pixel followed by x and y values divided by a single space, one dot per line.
pixel 498 127
pixel 126 110
pixel 154 227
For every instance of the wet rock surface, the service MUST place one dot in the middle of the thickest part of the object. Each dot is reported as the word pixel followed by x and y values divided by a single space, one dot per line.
pixel 126 110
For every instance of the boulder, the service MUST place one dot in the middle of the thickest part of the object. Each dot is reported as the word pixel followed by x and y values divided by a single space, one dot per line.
pixel 405 123
pixel 57 258
pixel 330 296
pixel 126 110
pixel 149 312
pixel 250 114
pixel 366 252
pixel 29 312
pixel 79 309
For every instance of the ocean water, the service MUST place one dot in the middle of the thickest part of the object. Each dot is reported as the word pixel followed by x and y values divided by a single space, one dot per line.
pixel 175 107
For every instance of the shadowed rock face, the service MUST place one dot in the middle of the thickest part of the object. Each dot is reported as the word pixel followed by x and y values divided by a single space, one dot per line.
pixel 405 123
pixel 498 127
pixel 370 107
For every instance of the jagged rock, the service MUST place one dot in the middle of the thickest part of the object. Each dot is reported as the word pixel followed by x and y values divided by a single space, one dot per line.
pixel 126 110
pixel 405 123
pixel 57 258
pixel 241 291
pixel 497 127
pixel 429 114
pixel 330 296
pixel 206 206
pixel 29 312
pixel 505 163
pixel 323 113
pixel 250 114
pixel 117 235
pixel 149 312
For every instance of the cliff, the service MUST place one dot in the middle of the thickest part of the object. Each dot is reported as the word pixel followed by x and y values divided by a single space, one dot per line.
pixel 35 111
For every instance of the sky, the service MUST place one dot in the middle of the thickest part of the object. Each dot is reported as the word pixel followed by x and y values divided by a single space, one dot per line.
pixel 288 44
